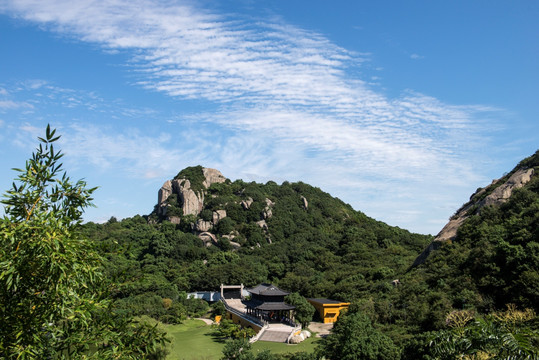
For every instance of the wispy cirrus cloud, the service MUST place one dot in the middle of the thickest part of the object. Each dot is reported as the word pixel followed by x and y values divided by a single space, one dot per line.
pixel 130 152
pixel 10 104
pixel 191 53
pixel 270 81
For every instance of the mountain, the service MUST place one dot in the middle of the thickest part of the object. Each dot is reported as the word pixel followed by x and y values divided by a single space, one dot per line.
pixel 221 212
pixel 206 230
pixel 495 194
pixel 487 256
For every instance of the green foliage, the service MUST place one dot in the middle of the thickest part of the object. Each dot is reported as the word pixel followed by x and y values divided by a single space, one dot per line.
pixel 225 226
pixel 493 261
pixel 267 355
pixel 196 307
pixel 227 329
pixel 52 290
pixel 304 310
pixel 241 349
pixel 218 308
pixel 195 175
pixel 238 350
pixel 206 215
pixel 353 338
pixel 330 250
pixel 174 208
pixel 505 335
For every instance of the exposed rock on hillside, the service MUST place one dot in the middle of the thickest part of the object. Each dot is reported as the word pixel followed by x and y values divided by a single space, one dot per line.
pixel 493 195
pixel 305 202
pixel 218 215
pixel 203 226
pixel 520 178
pixel 212 176
pixel 246 204
pixel 208 238
pixel 190 201
pixel 233 214
pixel 267 214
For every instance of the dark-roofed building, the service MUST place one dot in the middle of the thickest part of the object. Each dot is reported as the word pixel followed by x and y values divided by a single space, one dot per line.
pixel 267 303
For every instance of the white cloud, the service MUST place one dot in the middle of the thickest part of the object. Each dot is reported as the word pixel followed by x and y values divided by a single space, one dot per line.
pixel 276 86
pixel 25 136
pixel 130 153
pixel 10 104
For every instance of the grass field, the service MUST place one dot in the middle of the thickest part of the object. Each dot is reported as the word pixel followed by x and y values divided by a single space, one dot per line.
pixel 191 340
pixel 280 348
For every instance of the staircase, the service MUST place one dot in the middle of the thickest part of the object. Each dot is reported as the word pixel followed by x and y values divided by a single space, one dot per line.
pixel 274 336
pixel 277 333
pixel 269 332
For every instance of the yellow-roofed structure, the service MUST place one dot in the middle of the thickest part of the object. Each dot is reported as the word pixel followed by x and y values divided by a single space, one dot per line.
pixel 328 309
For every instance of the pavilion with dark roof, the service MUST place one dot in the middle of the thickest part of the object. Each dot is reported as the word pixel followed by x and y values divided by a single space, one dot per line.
pixel 267 303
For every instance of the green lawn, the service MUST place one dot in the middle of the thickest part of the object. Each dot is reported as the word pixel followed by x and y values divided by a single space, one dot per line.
pixel 191 340
pixel 280 348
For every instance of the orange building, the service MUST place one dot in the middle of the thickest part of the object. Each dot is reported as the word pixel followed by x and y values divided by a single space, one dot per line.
pixel 329 310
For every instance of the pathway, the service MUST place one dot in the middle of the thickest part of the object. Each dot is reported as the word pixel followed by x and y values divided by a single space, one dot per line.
pixel 321 329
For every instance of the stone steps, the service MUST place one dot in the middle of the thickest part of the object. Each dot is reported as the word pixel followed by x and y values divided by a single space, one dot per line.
pixel 274 336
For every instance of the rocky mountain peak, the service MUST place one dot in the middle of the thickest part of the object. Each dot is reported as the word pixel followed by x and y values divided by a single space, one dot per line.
pixel 212 176
pixel 493 195
pixel 186 192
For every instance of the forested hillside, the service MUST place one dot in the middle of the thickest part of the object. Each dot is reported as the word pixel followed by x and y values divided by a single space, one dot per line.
pixel 311 243
pixel 494 258
pixel 303 240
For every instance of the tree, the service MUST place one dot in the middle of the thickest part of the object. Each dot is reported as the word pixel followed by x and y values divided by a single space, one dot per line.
pixel 239 349
pixel 354 338
pixel 218 309
pixel 51 288
pixel 229 330
pixel 500 335
pixel 304 310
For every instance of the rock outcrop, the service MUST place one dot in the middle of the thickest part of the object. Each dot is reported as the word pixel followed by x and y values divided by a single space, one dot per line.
pixel 217 216
pixel 503 192
pixel 246 204
pixel 267 214
pixel 207 238
pixel 303 335
pixel 203 226
pixel 498 192
pixel 162 196
pixel 190 202
pixel 262 224
pixel 212 176
pixel 305 203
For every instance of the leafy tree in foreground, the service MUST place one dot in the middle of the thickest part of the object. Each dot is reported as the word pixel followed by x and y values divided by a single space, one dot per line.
pixel 51 292
pixel 354 338
pixel 502 335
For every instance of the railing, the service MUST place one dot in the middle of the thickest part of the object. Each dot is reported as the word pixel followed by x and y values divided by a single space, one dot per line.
pixel 259 334
pixel 298 327
pixel 262 323
pixel 243 315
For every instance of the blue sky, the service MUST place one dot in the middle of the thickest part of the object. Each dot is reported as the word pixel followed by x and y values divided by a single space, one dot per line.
pixel 400 108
